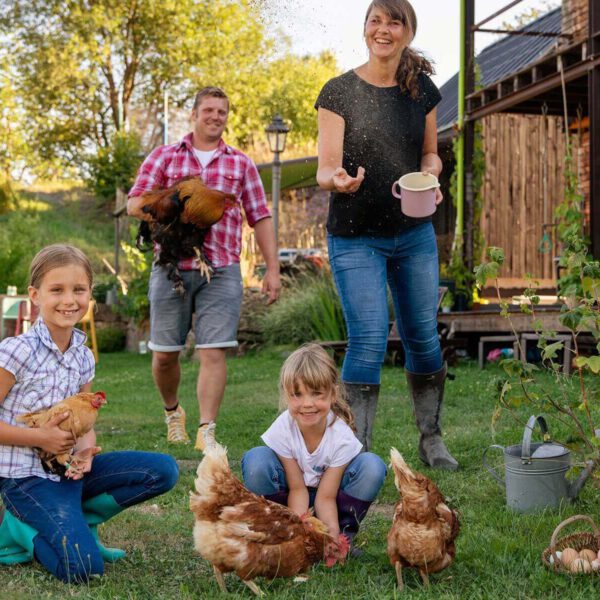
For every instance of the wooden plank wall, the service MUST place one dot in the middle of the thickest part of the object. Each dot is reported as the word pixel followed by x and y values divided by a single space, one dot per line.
pixel 514 208
pixel 583 171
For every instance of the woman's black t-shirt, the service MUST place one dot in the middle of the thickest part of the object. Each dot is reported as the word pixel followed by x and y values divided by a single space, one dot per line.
pixel 384 131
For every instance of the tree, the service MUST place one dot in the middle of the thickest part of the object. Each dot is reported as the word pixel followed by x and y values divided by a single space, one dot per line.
pixel 84 67
pixel 530 14
pixel 82 64
pixel 13 145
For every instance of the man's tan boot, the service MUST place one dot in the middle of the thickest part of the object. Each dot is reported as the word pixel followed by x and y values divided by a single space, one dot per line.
pixel 175 420
pixel 205 436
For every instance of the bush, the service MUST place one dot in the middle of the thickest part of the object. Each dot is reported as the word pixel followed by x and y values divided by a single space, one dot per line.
pixel 115 167
pixel 308 310
pixel 16 249
pixel 134 305
pixel 110 339
pixel 102 288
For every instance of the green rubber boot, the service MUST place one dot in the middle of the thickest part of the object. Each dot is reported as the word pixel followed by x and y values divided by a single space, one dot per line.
pixel 16 540
pixel 100 509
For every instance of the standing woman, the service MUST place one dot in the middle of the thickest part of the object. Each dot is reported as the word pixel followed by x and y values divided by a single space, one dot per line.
pixel 377 123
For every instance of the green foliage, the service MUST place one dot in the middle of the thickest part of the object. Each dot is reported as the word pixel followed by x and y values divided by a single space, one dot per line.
pixel 490 269
pixel 14 149
pixel 308 310
pixel 84 70
pixel 572 402
pixel 39 218
pixel 8 199
pixel 457 269
pixel 134 304
pixel 115 166
pixel 110 339
pixel 16 250
pixel 292 85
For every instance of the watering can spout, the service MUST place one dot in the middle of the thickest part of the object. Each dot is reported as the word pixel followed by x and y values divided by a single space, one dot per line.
pixel 575 487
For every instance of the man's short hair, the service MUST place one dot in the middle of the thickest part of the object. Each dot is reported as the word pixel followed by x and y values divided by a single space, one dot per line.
pixel 213 91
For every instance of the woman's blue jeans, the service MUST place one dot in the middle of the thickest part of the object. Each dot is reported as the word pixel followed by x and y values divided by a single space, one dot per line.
pixel 408 264
pixel 264 475
pixel 64 544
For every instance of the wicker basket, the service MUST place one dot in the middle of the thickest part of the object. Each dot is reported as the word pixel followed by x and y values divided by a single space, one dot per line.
pixel 577 541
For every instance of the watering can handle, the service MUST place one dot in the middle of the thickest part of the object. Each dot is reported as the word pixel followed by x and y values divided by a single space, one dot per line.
pixel 491 469
pixel 526 447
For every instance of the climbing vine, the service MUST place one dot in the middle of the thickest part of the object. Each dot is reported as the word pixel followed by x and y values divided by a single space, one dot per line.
pixel 457 269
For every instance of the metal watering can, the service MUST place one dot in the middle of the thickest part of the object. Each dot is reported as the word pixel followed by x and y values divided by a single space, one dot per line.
pixel 535 474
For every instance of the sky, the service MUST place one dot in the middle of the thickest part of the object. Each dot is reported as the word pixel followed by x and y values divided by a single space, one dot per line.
pixel 315 25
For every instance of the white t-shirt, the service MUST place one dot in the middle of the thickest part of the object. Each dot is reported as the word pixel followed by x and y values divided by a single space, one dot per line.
pixel 204 156
pixel 338 446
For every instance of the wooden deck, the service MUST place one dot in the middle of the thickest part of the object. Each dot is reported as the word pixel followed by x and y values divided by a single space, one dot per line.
pixel 489 320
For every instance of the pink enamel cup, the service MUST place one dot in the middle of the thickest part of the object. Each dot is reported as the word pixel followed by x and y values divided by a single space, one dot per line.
pixel 417 194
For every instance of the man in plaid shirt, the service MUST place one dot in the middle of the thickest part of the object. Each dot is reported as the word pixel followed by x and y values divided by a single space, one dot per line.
pixel 216 303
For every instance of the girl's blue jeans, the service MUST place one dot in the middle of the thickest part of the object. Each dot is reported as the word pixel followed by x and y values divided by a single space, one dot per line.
pixel 264 475
pixel 362 268
pixel 64 544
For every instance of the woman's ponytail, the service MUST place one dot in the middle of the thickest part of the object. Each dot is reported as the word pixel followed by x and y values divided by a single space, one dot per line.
pixel 411 64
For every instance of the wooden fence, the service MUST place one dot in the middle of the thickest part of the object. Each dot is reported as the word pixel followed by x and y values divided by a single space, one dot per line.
pixel 524 183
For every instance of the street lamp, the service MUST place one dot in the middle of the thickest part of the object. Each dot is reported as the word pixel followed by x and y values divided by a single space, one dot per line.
pixel 276 134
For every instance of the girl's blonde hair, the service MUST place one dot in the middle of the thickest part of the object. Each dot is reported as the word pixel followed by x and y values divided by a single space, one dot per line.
pixel 412 62
pixel 316 370
pixel 55 256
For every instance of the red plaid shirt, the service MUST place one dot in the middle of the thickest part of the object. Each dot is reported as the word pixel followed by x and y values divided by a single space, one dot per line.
pixel 230 171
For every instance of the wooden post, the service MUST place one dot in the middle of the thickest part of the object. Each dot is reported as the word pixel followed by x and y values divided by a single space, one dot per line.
pixel 594 115
pixel 469 134
pixel 467 20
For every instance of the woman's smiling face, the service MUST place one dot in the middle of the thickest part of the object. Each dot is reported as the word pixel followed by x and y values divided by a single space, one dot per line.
pixel 385 36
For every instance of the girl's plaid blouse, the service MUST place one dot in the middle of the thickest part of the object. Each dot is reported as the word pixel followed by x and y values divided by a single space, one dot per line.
pixel 44 376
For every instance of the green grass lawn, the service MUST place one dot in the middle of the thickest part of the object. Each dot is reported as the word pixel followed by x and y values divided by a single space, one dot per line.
pixel 498 552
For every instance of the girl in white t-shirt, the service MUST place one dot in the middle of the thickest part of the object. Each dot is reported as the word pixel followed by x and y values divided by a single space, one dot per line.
pixel 312 457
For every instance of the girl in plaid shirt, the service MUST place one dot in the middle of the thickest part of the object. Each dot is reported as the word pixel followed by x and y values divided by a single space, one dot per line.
pixel 50 518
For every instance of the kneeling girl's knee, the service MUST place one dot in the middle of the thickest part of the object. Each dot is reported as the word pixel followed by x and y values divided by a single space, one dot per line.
pixel 258 470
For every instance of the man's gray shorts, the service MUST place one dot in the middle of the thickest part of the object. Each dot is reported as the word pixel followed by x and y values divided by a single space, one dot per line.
pixel 217 305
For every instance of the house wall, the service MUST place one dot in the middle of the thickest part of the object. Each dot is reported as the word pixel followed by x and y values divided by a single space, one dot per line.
pixel 575 18
pixel 516 202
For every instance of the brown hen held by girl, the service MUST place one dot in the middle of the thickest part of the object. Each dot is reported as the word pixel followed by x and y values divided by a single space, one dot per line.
pixel 182 215
pixel 82 410
pixel 424 527
pixel 236 530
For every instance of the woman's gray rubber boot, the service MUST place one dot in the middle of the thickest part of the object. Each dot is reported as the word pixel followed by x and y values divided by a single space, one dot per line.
pixel 362 399
pixel 427 393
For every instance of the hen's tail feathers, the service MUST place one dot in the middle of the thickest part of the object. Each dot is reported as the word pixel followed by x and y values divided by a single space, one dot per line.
pixel 214 461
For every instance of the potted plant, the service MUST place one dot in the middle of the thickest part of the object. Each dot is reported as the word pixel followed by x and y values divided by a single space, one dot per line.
pixel 447 302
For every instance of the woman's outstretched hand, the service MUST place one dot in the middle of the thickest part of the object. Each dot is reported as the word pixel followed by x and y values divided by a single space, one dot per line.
pixel 344 183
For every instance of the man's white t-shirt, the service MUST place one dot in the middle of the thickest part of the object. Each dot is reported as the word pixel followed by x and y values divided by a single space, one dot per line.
pixel 204 156
pixel 338 446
